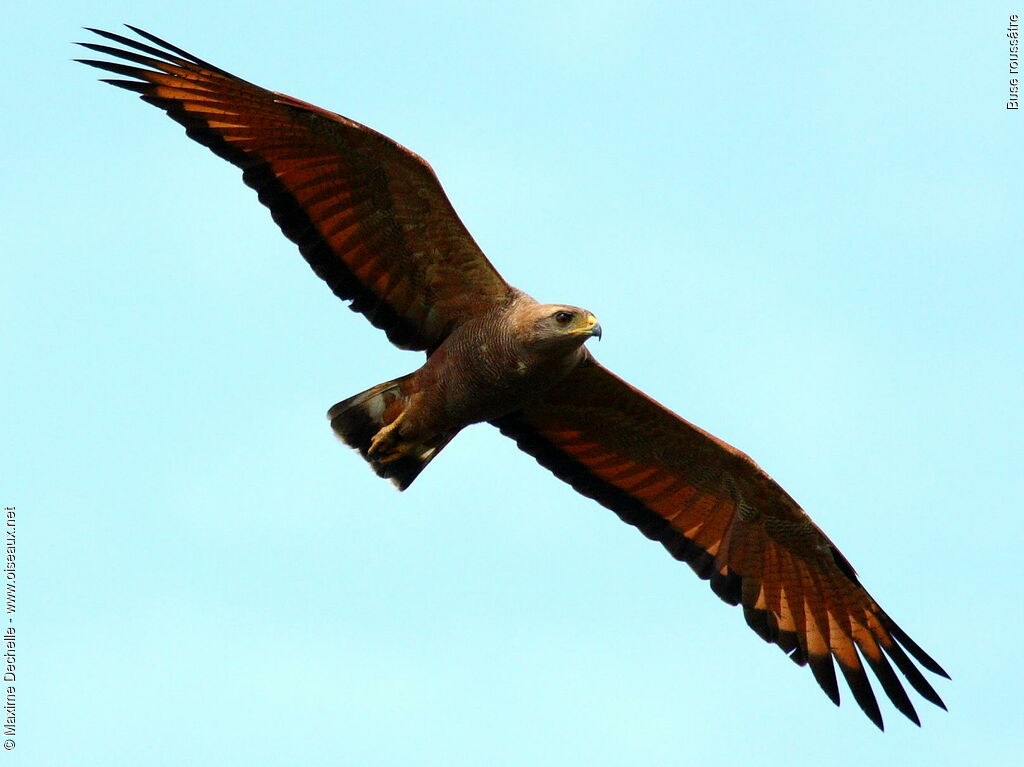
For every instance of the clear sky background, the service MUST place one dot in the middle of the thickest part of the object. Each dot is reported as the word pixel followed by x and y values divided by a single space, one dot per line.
pixel 800 227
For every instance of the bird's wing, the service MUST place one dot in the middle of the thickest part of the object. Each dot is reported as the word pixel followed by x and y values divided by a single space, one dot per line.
pixel 369 215
pixel 713 507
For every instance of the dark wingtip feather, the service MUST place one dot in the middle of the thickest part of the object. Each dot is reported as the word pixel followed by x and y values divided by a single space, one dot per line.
pixel 166 52
pixel 825 674
pixel 913 674
pixel 168 46
pixel 127 41
pixel 138 58
pixel 860 686
pixel 115 67
pixel 128 85
pixel 893 688
pixel 913 647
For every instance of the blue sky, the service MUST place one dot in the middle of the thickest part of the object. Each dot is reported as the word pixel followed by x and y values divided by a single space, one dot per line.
pixel 800 228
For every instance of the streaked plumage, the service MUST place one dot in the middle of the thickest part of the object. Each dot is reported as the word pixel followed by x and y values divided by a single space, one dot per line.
pixel 373 221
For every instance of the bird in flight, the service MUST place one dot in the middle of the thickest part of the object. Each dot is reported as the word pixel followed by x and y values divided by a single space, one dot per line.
pixel 373 222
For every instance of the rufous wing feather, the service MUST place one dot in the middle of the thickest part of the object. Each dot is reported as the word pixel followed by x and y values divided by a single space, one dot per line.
pixel 369 216
pixel 713 507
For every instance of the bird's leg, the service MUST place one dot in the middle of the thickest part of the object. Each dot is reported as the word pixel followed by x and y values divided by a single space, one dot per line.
pixel 383 442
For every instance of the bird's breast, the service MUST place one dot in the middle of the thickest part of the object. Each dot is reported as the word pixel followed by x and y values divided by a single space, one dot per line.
pixel 481 374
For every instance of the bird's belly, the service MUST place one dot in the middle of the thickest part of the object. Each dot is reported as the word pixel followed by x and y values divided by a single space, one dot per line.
pixel 490 392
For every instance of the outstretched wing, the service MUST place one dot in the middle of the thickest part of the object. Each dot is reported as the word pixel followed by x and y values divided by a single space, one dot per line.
pixel 369 215
pixel 711 506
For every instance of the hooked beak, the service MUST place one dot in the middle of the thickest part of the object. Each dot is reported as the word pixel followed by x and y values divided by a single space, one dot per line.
pixel 593 327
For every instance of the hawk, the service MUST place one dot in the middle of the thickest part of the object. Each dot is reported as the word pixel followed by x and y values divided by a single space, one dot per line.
pixel 373 222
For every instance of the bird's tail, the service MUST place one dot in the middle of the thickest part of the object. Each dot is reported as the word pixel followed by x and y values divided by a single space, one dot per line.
pixel 368 422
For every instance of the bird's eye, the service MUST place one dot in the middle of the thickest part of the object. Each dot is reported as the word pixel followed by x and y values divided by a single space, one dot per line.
pixel 563 318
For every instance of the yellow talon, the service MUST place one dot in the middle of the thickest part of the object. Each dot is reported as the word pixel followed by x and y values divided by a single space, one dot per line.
pixel 383 439
pixel 401 450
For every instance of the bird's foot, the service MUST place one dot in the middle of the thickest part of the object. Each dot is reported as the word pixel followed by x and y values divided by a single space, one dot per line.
pixel 385 447
pixel 399 450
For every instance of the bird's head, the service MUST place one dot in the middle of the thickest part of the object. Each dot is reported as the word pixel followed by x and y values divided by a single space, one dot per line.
pixel 558 326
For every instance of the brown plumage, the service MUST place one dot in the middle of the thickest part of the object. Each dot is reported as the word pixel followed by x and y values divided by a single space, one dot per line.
pixel 373 222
